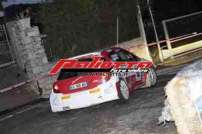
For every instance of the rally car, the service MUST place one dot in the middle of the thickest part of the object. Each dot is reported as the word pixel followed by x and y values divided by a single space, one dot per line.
pixel 73 89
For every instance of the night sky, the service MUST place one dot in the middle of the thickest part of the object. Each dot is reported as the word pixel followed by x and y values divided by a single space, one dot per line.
pixel 166 9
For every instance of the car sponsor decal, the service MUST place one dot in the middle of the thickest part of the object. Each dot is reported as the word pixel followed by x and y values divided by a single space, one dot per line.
pixel 97 63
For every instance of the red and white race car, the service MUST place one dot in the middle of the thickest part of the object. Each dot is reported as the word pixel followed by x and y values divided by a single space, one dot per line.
pixel 74 90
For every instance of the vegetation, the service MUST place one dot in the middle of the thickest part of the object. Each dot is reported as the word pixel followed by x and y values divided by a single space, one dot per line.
pixel 1 8
pixel 79 26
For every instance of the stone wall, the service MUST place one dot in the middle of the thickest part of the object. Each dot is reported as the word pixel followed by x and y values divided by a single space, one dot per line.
pixel 27 48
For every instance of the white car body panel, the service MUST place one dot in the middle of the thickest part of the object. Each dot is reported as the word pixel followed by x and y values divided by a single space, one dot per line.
pixel 100 94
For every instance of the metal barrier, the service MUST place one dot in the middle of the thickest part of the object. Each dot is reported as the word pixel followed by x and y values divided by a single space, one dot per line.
pixel 172 49
pixel 6 57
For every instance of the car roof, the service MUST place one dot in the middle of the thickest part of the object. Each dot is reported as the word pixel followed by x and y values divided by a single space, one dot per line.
pixel 97 53
pixel 86 55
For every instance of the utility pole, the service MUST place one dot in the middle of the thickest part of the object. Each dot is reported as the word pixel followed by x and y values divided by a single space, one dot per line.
pixel 140 23
pixel 155 31
pixel 142 30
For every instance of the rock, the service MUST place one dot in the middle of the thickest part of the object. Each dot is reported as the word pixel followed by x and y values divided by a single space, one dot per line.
pixel 184 93
pixel 165 114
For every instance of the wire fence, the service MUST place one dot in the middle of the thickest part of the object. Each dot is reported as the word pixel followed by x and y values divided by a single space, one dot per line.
pixel 5 48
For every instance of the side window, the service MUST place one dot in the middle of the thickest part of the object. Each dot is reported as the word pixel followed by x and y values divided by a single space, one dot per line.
pixel 114 57
pixel 126 56
pixel 122 55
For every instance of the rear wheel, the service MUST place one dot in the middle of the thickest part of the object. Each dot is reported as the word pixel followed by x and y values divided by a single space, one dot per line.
pixel 151 78
pixel 124 91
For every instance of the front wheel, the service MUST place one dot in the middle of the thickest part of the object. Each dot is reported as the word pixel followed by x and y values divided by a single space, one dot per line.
pixel 123 90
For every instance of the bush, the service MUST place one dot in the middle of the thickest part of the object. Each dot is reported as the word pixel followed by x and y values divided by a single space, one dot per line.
pixel 79 26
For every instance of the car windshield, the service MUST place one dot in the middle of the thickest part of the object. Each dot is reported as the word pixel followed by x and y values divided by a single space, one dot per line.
pixel 65 74
pixel 69 73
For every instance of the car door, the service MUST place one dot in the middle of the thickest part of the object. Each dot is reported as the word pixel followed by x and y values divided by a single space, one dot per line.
pixel 135 79
pixel 115 56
